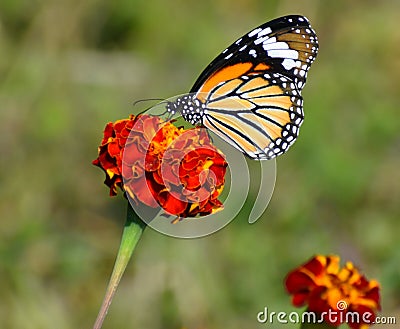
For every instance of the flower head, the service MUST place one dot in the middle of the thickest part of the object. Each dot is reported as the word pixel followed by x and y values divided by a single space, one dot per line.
pixel 110 152
pixel 158 164
pixel 323 286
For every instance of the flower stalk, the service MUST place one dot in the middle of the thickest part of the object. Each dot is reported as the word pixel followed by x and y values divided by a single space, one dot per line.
pixel 132 232
pixel 159 166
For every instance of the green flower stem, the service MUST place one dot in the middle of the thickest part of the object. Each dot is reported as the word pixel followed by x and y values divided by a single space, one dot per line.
pixel 133 230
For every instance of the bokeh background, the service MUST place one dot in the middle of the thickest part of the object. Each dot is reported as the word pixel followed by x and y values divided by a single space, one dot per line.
pixel 68 67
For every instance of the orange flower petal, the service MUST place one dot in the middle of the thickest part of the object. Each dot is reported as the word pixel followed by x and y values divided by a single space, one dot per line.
pixel 322 284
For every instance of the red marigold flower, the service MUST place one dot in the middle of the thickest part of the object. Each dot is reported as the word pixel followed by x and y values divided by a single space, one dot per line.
pixel 158 164
pixel 110 151
pixel 325 287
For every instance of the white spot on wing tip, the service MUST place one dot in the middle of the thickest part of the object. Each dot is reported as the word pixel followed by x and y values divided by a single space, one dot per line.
pixel 265 31
pixel 275 45
pixel 254 32
pixel 288 64
pixel 283 53
pixel 253 53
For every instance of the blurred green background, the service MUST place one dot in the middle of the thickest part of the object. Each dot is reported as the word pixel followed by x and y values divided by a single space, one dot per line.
pixel 67 67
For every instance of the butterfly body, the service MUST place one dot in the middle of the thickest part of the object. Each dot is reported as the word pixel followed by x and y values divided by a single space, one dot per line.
pixel 250 95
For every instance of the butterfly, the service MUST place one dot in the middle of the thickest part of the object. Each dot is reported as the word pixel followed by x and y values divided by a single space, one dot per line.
pixel 250 95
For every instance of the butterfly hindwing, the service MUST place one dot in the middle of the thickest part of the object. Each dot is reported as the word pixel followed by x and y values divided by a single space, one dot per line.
pixel 260 114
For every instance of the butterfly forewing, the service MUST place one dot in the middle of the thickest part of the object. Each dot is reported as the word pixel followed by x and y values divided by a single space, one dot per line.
pixel 287 45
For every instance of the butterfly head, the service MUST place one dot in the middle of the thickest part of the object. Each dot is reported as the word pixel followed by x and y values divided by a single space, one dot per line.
pixel 191 108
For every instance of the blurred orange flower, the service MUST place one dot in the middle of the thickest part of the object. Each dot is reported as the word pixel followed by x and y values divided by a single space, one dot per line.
pixel 177 169
pixel 323 286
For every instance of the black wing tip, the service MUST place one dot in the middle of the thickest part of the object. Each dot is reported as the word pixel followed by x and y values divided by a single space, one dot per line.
pixel 294 18
pixel 288 20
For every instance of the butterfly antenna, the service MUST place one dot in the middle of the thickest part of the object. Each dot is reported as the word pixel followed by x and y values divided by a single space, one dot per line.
pixel 147 100
pixel 162 101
